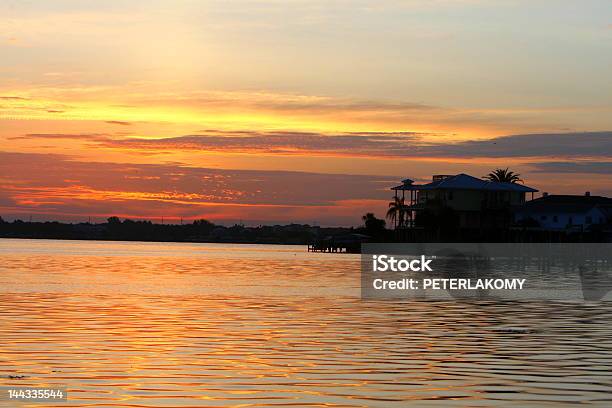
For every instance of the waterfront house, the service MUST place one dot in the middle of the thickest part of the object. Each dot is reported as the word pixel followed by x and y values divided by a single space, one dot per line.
pixel 466 201
pixel 566 212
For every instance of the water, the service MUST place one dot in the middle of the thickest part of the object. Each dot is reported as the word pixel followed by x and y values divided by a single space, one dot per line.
pixel 206 325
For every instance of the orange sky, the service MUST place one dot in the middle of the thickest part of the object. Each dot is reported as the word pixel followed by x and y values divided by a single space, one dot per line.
pixel 265 112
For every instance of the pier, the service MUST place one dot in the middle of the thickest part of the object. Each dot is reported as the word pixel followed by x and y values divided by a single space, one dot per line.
pixel 349 243
pixel 328 247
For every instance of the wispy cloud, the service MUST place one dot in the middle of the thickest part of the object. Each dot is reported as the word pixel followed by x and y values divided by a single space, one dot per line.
pixel 589 144
pixel 587 167
pixel 56 184
pixel 372 143
pixel 98 137
pixel 12 98
pixel 377 144
pixel 144 101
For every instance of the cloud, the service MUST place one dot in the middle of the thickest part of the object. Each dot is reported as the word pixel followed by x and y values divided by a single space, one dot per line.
pixel 380 144
pixel 147 102
pixel 532 145
pixel 588 167
pixel 279 142
pixel 55 184
pixel 99 137
pixel 13 98
pixel 118 122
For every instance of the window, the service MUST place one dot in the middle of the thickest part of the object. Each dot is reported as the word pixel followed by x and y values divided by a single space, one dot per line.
pixel 555 218
pixel 570 221
pixel 543 217
pixel 589 219
pixel 450 195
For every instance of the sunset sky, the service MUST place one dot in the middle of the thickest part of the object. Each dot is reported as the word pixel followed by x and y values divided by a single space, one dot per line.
pixel 293 111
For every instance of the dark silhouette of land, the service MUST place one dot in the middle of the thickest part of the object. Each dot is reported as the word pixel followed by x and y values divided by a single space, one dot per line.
pixel 196 231
pixel 443 227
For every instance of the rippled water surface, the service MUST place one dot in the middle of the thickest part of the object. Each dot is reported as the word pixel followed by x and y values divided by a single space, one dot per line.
pixel 205 325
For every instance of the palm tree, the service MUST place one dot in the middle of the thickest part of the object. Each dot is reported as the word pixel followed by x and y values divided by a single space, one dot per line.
pixel 503 176
pixel 397 211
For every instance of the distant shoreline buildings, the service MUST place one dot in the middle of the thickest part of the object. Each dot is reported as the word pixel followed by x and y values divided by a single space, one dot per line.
pixel 571 213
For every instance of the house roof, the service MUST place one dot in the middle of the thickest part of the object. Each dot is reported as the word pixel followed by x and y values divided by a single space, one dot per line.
pixel 569 204
pixel 466 182
pixel 407 184
pixel 574 199
pixel 406 187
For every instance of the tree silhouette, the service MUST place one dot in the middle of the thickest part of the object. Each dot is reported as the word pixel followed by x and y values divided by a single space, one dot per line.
pixel 113 220
pixel 503 176
pixel 397 211
pixel 372 224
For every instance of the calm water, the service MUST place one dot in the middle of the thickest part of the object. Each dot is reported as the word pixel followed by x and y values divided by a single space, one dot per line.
pixel 205 325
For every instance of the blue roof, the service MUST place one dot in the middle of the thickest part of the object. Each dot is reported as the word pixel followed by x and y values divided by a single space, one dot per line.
pixel 466 182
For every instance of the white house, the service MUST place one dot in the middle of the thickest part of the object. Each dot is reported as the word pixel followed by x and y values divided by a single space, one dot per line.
pixel 566 212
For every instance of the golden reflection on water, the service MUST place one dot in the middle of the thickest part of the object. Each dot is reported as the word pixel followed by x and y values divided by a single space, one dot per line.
pixel 171 325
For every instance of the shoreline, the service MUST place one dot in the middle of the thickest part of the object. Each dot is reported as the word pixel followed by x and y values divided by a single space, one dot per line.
pixel 152 241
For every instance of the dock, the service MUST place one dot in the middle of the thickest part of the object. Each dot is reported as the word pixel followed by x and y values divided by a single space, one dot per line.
pixel 349 244
pixel 326 247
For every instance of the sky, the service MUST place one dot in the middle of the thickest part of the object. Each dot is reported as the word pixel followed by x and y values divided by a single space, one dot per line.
pixel 284 111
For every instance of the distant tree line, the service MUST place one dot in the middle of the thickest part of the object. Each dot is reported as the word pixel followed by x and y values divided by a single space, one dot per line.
pixel 196 231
